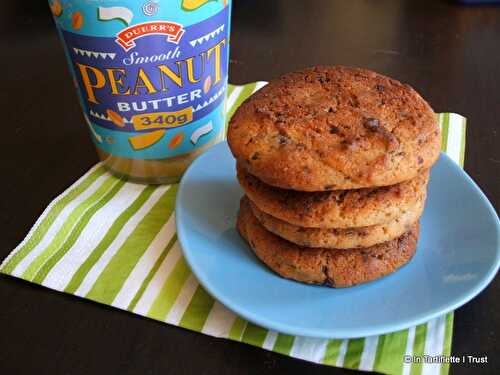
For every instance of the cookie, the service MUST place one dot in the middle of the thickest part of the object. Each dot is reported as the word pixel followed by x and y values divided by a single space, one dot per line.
pixel 331 267
pixel 338 238
pixel 331 128
pixel 337 208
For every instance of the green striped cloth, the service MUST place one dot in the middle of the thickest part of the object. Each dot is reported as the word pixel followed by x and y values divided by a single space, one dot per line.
pixel 114 242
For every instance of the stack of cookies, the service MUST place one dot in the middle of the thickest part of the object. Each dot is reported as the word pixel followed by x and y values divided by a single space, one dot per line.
pixel 334 162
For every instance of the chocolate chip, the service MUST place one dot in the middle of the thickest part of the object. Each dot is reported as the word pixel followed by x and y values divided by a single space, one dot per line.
pixel 340 198
pixel 402 239
pixel 371 123
pixel 346 143
pixel 334 129
pixel 380 88
pixel 283 139
pixel 372 192
pixel 420 160
pixel 255 156
pixel 328 280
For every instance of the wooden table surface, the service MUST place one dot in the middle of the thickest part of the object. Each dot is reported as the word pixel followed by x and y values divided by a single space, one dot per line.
pixel 450 53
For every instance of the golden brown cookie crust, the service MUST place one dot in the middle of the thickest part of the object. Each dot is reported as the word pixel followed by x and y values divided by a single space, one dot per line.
pixel 327 128
pixel 335 238
pixel 337 208
pixel 331 267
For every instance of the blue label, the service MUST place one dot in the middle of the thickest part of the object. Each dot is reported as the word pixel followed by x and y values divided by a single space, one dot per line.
pixel 152 83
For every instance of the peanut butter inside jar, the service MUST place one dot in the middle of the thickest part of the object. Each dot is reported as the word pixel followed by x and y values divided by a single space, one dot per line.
pixel 159 171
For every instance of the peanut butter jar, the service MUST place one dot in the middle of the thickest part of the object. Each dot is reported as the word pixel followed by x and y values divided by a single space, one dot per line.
pixel 151 77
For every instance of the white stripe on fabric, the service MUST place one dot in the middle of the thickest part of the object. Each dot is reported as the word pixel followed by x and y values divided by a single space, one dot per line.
pixel 342 352
pixel 434 342
pixel 182 302
pixel 233 97
pixel 259 85
pixel 91 235
pixel 145 263
pixel 125 232
pixel 369 351
pixel 409 350
pixel 57 224
pixel 270 339
pixel 454 137
pixel 310 349
pixel 154 288
pixel 45 213
pixel 219 321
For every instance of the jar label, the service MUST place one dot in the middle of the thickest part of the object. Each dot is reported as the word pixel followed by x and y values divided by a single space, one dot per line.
pixel 152 76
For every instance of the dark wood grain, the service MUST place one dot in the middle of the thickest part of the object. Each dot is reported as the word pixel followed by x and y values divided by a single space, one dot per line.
pixel 450 53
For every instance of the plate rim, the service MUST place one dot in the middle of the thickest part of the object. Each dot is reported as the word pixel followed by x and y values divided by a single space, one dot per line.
pixel 380 329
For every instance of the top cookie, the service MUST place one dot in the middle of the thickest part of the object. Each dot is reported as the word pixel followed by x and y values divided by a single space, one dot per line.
pixel 327 128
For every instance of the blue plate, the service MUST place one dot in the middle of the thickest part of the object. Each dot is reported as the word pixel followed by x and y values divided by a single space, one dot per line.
pixel 458 255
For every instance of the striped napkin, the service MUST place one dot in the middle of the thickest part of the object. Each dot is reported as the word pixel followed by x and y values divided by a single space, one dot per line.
pixel 114 242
